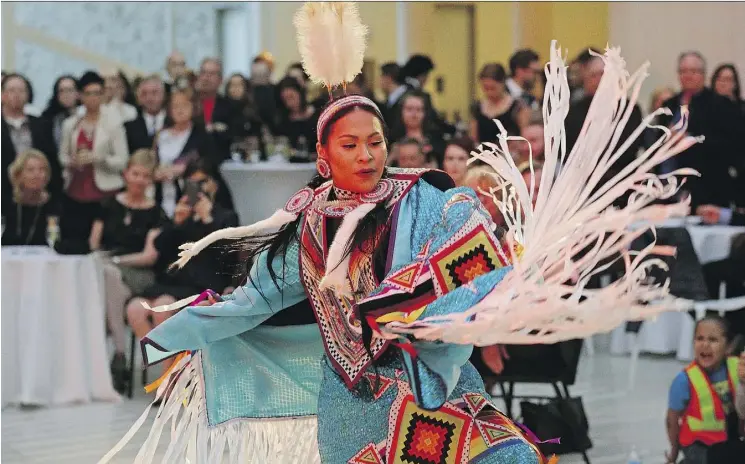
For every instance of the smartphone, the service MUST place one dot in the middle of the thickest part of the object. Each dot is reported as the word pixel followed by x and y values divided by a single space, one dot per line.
pixel 192 191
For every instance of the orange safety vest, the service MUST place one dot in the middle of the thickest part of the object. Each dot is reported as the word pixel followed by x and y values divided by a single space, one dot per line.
pixel 704 418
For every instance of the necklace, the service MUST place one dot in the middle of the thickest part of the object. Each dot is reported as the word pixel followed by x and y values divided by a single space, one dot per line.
pixel 32 230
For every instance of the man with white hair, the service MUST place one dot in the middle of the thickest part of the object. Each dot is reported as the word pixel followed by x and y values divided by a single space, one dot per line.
pixel 142 130
pixel 176 69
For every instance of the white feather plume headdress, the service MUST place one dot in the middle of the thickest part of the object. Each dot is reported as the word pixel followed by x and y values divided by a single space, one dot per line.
pixel 331 40
pixel 573 228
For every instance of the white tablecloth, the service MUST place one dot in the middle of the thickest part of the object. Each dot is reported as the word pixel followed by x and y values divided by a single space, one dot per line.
pixel 673 332
pixel 260 189
pixel 53 332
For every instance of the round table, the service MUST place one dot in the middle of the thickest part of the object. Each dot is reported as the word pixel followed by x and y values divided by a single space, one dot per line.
pixel 259 189
pixel 673 332
pixel 53 329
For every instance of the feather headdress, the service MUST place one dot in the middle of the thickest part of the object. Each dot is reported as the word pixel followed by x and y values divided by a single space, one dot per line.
pixel 331 40
pixel 573 227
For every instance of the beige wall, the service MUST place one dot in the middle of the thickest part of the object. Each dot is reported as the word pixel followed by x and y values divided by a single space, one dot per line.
pixel 658 31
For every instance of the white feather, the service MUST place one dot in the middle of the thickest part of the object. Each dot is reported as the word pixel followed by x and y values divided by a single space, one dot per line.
pixel 533 303
pixel 331 41
pixel 337 264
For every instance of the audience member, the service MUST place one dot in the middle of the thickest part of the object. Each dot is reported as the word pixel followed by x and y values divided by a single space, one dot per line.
pixel 726 82
pixel 151 118
pixel 393 90
pixel 121 230
pixel 176 70
pixel 216 111
pixel 415 75
pixel 247 121
pixel 21 132
pixel 196 216
pixel 524 70
pixel 717 119
pixel 415 123
pixel 533 133
pixel 296 118
pixel 62 104
pixel 457 152
pixel 93 154
pixel 577 72
pixel 497 103
pixel 34 210
pixel 409 154
pixel 116 96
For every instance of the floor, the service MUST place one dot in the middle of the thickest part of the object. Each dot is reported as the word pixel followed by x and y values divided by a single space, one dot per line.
pixel 620 418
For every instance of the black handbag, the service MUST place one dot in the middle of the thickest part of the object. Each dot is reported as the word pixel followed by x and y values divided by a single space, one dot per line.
pixel 558 418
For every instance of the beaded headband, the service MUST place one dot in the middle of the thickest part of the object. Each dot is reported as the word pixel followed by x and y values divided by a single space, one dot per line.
pixel 342 103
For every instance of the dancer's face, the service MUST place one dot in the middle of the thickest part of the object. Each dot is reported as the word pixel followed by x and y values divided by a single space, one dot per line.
pixel 355 151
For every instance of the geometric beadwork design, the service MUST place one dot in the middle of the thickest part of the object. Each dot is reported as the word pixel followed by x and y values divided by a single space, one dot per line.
pixel 336 314
pixel 472 255
pixel 368 455
pixel 429 437
pixel 428 440
pixel 299 201
pixel 405 278
pixel 384 383
pixel 475 402
pixel 493 434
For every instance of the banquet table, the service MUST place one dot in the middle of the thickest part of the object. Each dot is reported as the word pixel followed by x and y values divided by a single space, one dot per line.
pixel 53 329
pixel 259 189
pixel 673 332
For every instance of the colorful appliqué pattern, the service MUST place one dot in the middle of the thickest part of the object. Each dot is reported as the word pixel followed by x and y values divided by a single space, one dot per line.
pixel 368 455
pixel 337 315
pixel 471 253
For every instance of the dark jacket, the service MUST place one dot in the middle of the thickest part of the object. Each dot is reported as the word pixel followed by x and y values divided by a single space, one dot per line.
pixel 718 120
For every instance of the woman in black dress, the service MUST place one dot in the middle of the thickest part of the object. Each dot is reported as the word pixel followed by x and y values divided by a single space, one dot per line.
pixel 33 217
pixel 62 104
pixel 414 122
pixel 297 119
pixel 496 104
pixel 121 230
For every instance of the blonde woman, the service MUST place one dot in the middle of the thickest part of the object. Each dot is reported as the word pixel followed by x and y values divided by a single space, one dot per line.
pixel 33 210
pixel 122 229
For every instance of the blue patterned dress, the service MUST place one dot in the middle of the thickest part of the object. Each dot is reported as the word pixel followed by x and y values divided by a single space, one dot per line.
pixel 401 401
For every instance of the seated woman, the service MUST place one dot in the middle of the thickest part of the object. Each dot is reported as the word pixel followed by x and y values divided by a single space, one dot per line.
pixel 126 221
pixel 457 152
pixel 194 217
pixel 34 213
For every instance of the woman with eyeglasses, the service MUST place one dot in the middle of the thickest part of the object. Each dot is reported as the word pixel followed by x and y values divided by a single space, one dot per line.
pixel 93 154
pixel 62 105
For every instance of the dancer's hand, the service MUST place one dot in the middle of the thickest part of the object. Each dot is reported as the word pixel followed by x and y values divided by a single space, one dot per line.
pixel 671 457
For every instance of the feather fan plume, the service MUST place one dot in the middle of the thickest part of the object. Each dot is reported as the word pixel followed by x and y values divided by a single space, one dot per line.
pixel 574 231
pixel 331 40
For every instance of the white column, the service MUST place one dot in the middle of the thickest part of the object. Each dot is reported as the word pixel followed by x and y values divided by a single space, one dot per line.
pixel 402 32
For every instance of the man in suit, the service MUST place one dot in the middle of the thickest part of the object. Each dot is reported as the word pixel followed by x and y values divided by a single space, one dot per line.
pixel 216 111
pixel 151 118
pixel 393 89
pixel 717 119
pixel 414 75
pixel 21 132
pixel 524 70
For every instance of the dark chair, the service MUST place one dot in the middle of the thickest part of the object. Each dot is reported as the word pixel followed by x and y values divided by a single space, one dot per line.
pixel 555 365
pixel 133 351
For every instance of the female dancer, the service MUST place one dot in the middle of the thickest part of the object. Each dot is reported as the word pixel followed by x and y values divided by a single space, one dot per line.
pixel 390 263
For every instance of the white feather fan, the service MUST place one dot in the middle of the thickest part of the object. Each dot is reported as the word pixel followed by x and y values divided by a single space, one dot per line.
pixel 331 40
pixel 534 303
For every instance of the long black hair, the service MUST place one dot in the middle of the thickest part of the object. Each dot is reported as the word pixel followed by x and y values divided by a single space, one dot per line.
pixel 731 67
pixel 53 106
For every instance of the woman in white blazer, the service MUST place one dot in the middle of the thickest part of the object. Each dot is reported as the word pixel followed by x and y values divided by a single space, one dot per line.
pixel 93 154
